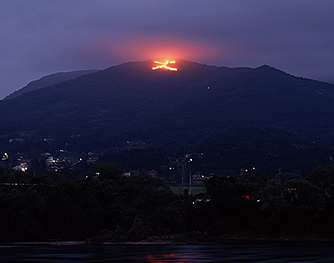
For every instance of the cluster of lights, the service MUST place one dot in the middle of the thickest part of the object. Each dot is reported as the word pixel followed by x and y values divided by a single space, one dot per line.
pixel 248 170
pixel 16 184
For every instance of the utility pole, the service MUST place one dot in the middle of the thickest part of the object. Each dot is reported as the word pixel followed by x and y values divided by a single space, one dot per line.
pixel 182 176
pixel 190 181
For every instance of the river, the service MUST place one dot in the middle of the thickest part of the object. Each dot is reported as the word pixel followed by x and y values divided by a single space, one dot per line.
pixel 257 252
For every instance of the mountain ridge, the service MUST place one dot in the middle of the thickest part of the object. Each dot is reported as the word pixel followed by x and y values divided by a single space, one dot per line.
pixel 49 80
pixel 132 102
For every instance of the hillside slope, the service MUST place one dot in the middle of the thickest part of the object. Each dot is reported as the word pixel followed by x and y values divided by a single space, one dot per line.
pixel 133 102
pixel 49 80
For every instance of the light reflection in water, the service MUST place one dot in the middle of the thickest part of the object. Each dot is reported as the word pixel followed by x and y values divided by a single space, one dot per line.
pixel 165 258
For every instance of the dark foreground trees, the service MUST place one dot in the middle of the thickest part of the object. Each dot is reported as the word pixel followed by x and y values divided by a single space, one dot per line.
pixel 110 206
pixel 255 205
pixel 140 206
pixel 125 208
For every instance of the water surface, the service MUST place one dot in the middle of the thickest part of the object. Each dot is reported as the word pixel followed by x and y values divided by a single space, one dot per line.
pixel 272 252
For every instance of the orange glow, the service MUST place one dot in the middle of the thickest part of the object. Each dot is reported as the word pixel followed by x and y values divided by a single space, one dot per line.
pixel 152 47
pixel 164 65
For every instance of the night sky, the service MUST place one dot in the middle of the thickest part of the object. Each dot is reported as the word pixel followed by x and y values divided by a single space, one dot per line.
pixel 40 37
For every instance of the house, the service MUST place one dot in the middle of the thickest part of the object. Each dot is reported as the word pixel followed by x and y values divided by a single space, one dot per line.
pixel 152 173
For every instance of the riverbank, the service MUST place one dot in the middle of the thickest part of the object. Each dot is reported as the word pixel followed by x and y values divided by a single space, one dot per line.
pixel 44 243
pixel 182 240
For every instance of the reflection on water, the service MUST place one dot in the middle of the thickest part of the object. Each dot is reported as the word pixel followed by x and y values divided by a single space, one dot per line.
pixel 273 252
pixel 164 258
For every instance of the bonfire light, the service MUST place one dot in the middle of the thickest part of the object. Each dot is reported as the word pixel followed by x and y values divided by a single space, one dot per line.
pixel 164 65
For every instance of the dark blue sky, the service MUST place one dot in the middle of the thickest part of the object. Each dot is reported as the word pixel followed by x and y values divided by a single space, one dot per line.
pixel 40 37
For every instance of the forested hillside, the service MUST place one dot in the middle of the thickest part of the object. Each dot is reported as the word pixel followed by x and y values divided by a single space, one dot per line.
pixel 131 102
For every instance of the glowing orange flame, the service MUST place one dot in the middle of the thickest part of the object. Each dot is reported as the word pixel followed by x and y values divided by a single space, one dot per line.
pixel 164 65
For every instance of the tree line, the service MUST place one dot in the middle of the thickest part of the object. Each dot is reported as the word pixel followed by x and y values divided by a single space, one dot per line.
pixel 104 205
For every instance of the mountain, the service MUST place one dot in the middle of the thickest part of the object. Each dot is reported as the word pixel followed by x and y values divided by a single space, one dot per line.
pixel 50 80
pixel 135 104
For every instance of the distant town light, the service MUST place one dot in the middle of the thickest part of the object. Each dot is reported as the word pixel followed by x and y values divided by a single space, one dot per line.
pixel 5 157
